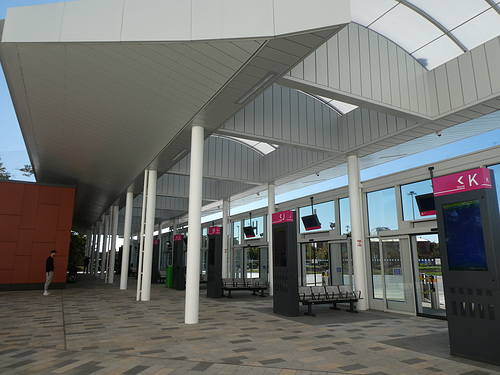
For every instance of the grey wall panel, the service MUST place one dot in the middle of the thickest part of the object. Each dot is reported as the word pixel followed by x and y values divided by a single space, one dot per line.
pixel 321 67
pixel 344 63
pixel 481 72
pixel 467 77
pixel 267 114
pixel 403 79
pixel 455 85
pixel 354 60
pixel 394 74
pixel 276 109
pixel 365 69
pixel 493 57
pixel 443 96
pixel 374 63
pixel 332 63
pixel 258 120
pixel 385 75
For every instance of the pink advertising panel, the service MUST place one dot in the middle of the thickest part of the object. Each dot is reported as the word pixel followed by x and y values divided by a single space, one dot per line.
pixel 213 230
pixel 473 179
pixel 178 237
pixel 282 217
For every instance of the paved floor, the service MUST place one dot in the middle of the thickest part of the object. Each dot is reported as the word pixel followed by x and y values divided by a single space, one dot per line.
pixel 94 328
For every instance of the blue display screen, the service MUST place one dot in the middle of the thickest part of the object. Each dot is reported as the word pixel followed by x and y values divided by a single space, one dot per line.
pixel 464 236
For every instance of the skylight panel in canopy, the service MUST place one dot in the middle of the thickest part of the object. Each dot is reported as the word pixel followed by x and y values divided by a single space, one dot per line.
pixel 433 31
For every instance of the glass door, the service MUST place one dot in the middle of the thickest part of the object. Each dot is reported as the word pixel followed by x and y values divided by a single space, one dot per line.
pixel 340 264
pixel 428 276
pixel 252 262
pixel 391 274
pixel 315 263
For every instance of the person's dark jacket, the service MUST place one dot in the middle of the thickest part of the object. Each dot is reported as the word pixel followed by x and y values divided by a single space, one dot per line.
pixel 49 264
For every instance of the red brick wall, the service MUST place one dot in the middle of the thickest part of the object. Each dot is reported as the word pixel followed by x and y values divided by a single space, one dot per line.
pixel 34 219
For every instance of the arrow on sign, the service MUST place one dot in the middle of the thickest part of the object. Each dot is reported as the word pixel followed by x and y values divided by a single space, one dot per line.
pixel 460 180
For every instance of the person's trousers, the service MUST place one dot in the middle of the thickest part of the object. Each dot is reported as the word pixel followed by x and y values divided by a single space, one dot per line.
pixel 48 280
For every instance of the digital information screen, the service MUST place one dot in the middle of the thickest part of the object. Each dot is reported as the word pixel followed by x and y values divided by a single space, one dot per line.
pixel 464 236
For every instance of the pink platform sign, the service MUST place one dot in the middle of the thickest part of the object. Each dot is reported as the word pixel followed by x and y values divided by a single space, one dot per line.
pixel 213 230
pixel 178 237
pixel 473 179
pixel 283 217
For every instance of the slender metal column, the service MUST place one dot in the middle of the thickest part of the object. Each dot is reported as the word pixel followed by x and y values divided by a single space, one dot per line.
pixel 225 234
pixel 104 247
pixel 126 240
pixel 358 256
pixel 148 237
pixel 114 234
pixel 192 304
pixel 271 209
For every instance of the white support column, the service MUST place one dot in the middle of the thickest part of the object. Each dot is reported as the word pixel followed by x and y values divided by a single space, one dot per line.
pixel 148 237
pixel 271 209
pixel 126 240
pixel 358 256
pixel 100 232
pixel 225 235
pixel 114 235
pixel 93 256
pixel 104 254
pixel 192 304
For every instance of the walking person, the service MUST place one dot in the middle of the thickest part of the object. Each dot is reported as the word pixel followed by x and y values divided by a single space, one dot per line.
pixel 49 269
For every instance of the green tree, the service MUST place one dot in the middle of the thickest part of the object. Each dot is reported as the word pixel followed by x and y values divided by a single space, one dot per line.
pixel 27 170
pixel 76 250
pixel 4 175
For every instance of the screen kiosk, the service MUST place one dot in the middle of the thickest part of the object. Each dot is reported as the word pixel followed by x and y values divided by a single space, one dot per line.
pixel 285 264
pixel 469 239
pixel 214 263
pixel 179 267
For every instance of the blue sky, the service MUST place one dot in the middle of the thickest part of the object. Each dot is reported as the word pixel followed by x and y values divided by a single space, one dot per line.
pixel 12 148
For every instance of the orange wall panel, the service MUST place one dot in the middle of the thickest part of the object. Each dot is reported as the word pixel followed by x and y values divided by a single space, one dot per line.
pixel 8 252
pixel 34 219
pixel 25 242
pixel 50 195
pixel 9 227
pixel 66 209
pixel 21 269
pixel 46 223
pixel 6 276
pixel 30 206
pixel 12 198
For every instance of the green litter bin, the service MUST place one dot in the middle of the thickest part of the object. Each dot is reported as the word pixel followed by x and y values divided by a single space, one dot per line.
pixel 168 276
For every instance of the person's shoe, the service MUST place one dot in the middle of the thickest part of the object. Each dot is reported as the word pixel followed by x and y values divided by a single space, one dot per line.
pixel 46 293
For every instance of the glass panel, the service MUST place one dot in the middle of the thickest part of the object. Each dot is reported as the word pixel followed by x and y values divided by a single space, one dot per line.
pixel 325 213
pixel 409 194
pixel 346 264
pixel 382 213
pixel 376 269
pixel 496 173
pixel 437 52
pixel 238 263
pixel 365 12
pixel 316 262
pixel 345 216
pixel 430 275
pixel 204 237
pixel 237 232
pixel 406 28
pixel 393 271
pixel 253 264
pixel 258 226
pixel 451 13
pixel 479 29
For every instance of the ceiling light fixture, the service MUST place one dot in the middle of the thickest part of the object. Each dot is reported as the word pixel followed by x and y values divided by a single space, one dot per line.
pixel 255 89
pixel 179 154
